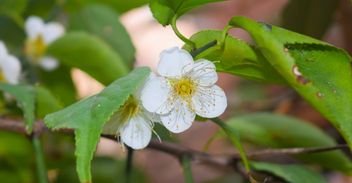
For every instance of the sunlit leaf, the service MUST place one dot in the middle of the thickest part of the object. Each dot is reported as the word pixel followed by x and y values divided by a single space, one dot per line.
pixel 88 117
pixel 319 72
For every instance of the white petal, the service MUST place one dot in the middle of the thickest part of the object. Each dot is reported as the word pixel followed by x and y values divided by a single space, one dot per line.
pixel 52 31
pixel 48 63
pixel 173 62
pixel 34 26
pixel 211 104
pixel 179 119
pixel 138 92
pixel 151 116
pixel 3 50
pixel 154 96
pixel 137 133
pixel 11 69
pixel 113 124
pixel 205 72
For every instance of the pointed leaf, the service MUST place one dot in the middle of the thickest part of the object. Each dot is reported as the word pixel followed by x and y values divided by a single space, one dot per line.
pixel 290 173
pixel 25 96
pixel 319 72
pixel 90 54
pixel 88 117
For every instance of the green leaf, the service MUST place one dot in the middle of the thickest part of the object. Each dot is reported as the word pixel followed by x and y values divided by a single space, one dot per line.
pixel 90 54
pixel 164 10
pixel 16 6
pixel 290 173
pixel 25 96
pixel 326 85
pixel 13 35
pixel 119 6
pixel 46 102
pixel 88 117
pixel 278 131
pixel 237 58
pixel 104 169
pixel 40 8
pixel 60 83
pixel 103 21
pixel 309 17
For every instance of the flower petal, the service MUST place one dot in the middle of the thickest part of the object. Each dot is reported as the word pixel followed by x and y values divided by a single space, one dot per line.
pixel 173 62
pixel 110 128
pixel 152 117
pixel 155 96
pixel 205 72
pixel 11 69
pixel 138 92
pixel 52 31
pixel 34 26
pixel 48 63
pixel 3 50
pixel 179 119
pixel 137 133
pixel 212 103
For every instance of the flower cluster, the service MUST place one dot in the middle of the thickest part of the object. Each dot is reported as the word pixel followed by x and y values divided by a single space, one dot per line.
pixel 184 88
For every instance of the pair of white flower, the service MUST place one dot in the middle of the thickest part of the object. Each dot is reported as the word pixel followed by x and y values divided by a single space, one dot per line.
pixel 184 89
pixel 40 35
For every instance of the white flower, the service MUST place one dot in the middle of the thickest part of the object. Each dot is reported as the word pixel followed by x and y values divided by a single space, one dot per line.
pixel 132 123
pixel 185 89
pixel 40 36
pixel 10 66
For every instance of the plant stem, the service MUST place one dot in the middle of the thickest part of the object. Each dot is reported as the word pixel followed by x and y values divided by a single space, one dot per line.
pixel 39 158
pixel 179 35
pixel 186 166
pixel 224 34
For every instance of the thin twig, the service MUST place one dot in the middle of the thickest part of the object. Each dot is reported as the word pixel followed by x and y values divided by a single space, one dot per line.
pixel 227 162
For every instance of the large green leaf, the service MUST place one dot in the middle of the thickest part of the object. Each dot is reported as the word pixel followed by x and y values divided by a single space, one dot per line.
pixel 45 102
pixel 88 117
pixel 278 131
pixel 309 17
pixel 103 21
pixel 324 78
pixel 237 58
pixel 164 10
pixel 25 96
pixel 60 83
pixel 290 173
pixel 119 6
pixel 39 7
pixel 90 54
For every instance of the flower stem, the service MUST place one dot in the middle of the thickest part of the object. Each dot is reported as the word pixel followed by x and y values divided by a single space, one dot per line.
pixel 179 35
pixel 235 139
pixel 197 51
pixel 224 34
pixel 186 166
pixel 39 158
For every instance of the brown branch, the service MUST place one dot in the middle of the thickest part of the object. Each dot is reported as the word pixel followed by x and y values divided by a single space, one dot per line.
pixel 16 125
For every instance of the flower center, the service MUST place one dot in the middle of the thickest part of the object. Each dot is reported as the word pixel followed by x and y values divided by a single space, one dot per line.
pixel 2 78
pixel 128 109
pixel 184 87
pixel 35 48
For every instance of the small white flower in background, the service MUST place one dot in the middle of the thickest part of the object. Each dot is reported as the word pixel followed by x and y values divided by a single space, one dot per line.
pixel 185 88
pixel 10 66
pixel 132 123
pixel 40 36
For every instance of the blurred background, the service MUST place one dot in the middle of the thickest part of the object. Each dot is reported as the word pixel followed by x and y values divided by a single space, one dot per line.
pixel 328 20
